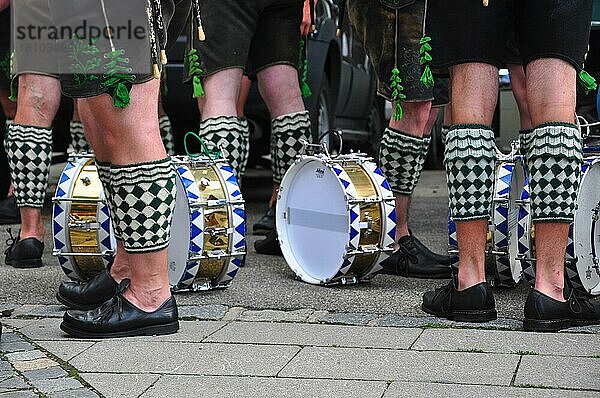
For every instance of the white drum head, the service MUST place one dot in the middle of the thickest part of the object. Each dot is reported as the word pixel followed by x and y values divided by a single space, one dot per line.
pixel 586 231
pixel 178 250
pixel 313 222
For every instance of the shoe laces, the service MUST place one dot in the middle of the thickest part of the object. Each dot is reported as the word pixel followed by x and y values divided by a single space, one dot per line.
pixel 409 248
pixel 579 303
pixel 114 304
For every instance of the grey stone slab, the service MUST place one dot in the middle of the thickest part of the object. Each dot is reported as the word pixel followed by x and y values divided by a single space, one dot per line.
pixel 584 329
pixel 559 372
pixel 212 312
pixel 276 315
pixel 65 350
pixel 20 394
pixel 376 364
pixel 410 321
pixel 15 346
pixel 261 387
pixel 150 356
pixel 509 342
pixel 42 363
pixel 25 355
pixel 55 385
pixel 500 323
pixel 316 335
pixel 120 385
pixel 17 323
pixel 44 311
pixel 8 337
pixel 48 373
pixel 46 329
pixel 427 390
pixel 5 366
pixel 15 382
pixel 346 318
pixel 191 331
pixel 76 393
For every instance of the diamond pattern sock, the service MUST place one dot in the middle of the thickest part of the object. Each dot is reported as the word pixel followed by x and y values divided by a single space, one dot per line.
pixel 79 143
pixel 232 135
pixel 470 161
pixel 166 133
pixel 289 131
pixel 399 155
pixel 104 175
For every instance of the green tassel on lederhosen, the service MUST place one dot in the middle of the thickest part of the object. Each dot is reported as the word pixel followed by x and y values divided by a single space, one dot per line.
pixel 397 95
pixel 425 58
pixel 14 85
pixel 195 72
pixel 587 81
pixel 303 70
pixel 119 78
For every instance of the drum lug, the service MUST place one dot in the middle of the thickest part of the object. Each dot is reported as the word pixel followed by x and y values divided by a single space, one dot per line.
pixel 85 225
pixel 105 253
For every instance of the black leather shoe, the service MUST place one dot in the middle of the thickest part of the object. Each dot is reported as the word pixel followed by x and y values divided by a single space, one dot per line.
pixel 9 212
pixel 266 224
pixel 415 260
pixel 24 253
pixel 118 317
pixel 269 245
pixel 87 295
pixel 475 304
pixel 545 314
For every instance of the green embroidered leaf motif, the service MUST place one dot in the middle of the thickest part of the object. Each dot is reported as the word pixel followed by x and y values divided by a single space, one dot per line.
pixel 424 48
pixel 118 76
pixel 398 113
pixel 303 70
pixel 587 81
pixel 197 85
pixel 121 96
pixel 425 39
pixel 195 72
pixel 427 77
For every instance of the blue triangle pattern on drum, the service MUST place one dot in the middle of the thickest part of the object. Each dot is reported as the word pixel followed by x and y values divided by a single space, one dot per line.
pixel 379 172
pixel 337 171
pixel 385 185
pixel 57 210
pixel 62 260
pixel 187 276
pixel 241 243
pixel 69 166
pixel 353 233
pixel 196 230
pixel 58 244
pixel 353 215
pixel 238 262
pixel 240 212
pixel 192 195
pixel 106 241
pixel 186 181
pixel 232 180
pixel 392 215
pixel 195 248
pixel 104 209
pixel 60 192
pixel 345 183
pixel 236 193
pixel 181 171
pixel 105 225
pixel 64 178
pixel 241 229
pixel 233 273
pixel 227 168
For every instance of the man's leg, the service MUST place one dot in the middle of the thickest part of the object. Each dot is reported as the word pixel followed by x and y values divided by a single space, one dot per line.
pixel 78 142
pixel 29 147
pixel 469 159
pixel 518 84
pixel 9 212
pixel 166 129
pixel 290 125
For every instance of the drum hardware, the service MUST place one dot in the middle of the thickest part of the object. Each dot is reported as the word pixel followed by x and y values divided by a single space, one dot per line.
pixel 200 287
pixel 84 155
pixel 84 225
pixel 366 250
pixel 216 256
pixel 105 254
pixel 367 224
pixel 487 252
pixel 78 200
pixel 216 203
pixel 218 231
pixel 344 280
pixel 371 199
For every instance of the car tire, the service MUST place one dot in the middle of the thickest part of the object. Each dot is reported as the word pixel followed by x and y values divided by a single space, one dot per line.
pixel 375 127
pixel 322 117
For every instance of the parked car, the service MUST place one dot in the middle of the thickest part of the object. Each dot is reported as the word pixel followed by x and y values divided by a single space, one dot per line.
pixel 341 79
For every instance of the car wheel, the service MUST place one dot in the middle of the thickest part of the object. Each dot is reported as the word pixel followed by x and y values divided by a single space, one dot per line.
pixel 322 118
pixel 375 126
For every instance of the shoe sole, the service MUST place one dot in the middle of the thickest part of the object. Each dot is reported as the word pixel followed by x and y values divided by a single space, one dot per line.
pixel 6 221
pixel 73 306
pixel 418 276
pixel 31 263
pixel 536 325
pixel 153 330
pixel 261 231
pixel 474 316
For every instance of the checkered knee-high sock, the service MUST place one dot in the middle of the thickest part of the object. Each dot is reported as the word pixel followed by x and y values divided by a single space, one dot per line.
pixel 289 131
pixel 143 196
pixel 401 158
pixel 554 166
pixel 166 133
pixel 470 164
pixel 232 135
pixel 78 141
pixel 29 151
pixel 104 175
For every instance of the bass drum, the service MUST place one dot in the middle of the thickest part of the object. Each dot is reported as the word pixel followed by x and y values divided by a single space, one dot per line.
pixel 504 228
pixel 83 236
pixel 335 219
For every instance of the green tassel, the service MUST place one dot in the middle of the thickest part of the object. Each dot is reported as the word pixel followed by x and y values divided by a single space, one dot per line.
pixel 587 81
pixel 425 58
pixel 397 95
pixel 195 72
pixel 121 96
pixel 303 66
pixel 198 89
pixel 398 113
pixel 427 77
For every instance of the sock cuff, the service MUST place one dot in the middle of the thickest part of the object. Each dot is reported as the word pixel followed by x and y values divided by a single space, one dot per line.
pixel 138 173
pixel 402 141
pixel 291 121
pixel 470 142
pixel 561 140
pixel 39 135
pixel 223 123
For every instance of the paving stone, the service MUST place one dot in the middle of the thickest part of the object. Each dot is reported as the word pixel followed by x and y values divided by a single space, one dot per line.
pixel 5 366
pixel 315 335
pixel 8 337
pixel 76 393
pixel 508 342
pixel 42 363
pixel 193 331
pixel 261 387
pixel 377 364
pixel 120 385
pixel 213 312
pixel 20 394
pixel 500 323
pixel 42 311
pixel 6 310
pixel 15 346
pixel 17 323
pixel 314 318
pixel 560 372
pixel 14 382
pixel 583 329
pixel 54 385
pixel 347 318
pixel 25 355
pixel 48 373
pixel 150 356
pixel 276 316
pixel 428 390
pixel 233 313
pixel 46 329
pixel 66 350
pixel 408 321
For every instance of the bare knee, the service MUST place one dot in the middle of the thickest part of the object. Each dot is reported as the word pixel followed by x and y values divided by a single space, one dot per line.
pixel 279 87
pixel 474 93
pixel 414 121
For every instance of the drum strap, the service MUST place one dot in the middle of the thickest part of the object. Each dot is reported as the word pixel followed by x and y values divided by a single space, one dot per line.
pixel 402 159
pixel 144 200
pixel 469 158
pixel 289 132
pixel 79 143
pixel 29 151
pixel 231 134
pixel 554 167
pixel 166 133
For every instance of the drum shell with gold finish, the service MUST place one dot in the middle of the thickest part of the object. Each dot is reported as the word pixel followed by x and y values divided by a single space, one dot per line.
pixel 335 219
